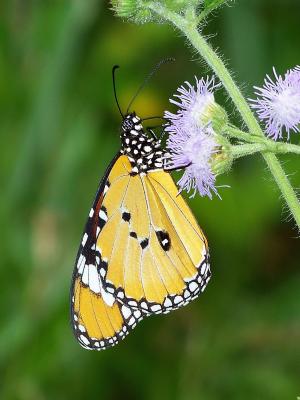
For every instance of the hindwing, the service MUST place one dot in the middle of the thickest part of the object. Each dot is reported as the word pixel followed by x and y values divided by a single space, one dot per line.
pixel 157 256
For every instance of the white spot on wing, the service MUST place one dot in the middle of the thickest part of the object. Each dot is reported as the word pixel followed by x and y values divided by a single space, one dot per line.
pixel 94 282
pixel 126 312
pixel 178 299
pixel 193 286
pixel 167 303
pixel 85 275
pixel 84 339
pixel 80 264
pixel 102 215
pixel 106 187
pixel 137 314
pixel 155 308
pixel 203 269
pixel 107 297
pixel 131 322
pixel 84 239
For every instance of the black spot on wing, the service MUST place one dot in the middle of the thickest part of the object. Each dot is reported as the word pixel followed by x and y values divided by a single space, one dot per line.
pixel 164 239
pixel 144 243
pixel 126 216
pixel 133 234
pixel 132 173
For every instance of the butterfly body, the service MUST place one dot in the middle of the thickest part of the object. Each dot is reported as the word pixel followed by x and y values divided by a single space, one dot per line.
pixel 142 251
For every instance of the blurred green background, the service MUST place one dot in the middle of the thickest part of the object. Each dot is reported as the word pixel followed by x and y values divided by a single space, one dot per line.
pixel 59 130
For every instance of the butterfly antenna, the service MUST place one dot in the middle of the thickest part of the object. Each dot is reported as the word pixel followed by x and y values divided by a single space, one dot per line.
pixel 154 70
pixel 114 84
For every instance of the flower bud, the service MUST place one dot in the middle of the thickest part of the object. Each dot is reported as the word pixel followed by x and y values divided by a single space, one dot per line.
pixel 216 115
pixel 222 159
pixel 132 10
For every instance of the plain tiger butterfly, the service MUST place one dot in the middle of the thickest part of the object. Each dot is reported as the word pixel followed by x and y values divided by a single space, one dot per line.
pixel 142 251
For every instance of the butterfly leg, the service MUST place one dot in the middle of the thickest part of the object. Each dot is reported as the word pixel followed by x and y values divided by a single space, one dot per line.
pixel 151 131
pixel 177 168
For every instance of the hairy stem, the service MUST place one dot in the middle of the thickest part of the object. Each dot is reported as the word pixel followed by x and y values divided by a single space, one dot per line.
pixel 242 150
pixel 270 145
pixel 235 133
pixel 189 29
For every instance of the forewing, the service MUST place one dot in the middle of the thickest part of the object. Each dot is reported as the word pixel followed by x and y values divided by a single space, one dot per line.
pixel 99 321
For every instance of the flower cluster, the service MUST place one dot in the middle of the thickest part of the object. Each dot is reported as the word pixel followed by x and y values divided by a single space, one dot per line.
pixel 278 103
pixel 191 142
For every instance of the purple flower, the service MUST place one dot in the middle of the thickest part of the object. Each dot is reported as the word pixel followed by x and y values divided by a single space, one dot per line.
pixel 193 102
pixel 278 103
pixel 191 143
pixel 192 149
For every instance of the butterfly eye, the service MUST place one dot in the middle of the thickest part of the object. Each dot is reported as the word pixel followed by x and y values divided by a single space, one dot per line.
pixel 127 125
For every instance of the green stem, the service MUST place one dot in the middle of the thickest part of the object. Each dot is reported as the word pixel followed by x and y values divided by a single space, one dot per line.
pixel 284 148
pixel 235 133
pixel 270 145
pixel 190 14
pixel 202 16
pixel 242 150
pixel 208 10
pixel 189 29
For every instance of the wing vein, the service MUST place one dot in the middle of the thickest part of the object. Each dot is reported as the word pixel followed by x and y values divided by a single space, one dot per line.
pixel 181 212
pixel 118 233
pixel 171 223
pixel 151 224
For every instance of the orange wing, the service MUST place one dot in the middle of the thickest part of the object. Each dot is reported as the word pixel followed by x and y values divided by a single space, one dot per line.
pixel 96 324
pixel 142 253
pixel 156 258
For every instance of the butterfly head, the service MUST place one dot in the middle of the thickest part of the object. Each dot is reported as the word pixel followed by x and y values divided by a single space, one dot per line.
pixel 131 122
pixel 144 152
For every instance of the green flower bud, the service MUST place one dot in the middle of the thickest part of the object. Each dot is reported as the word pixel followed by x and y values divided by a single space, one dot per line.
pixel 132 10
pixel 216 115
pixel 221 161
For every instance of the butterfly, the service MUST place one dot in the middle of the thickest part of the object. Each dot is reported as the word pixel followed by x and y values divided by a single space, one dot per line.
pixel 142 251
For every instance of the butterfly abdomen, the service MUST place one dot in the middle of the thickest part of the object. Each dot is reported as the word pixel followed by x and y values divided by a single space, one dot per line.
pixel 144 153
